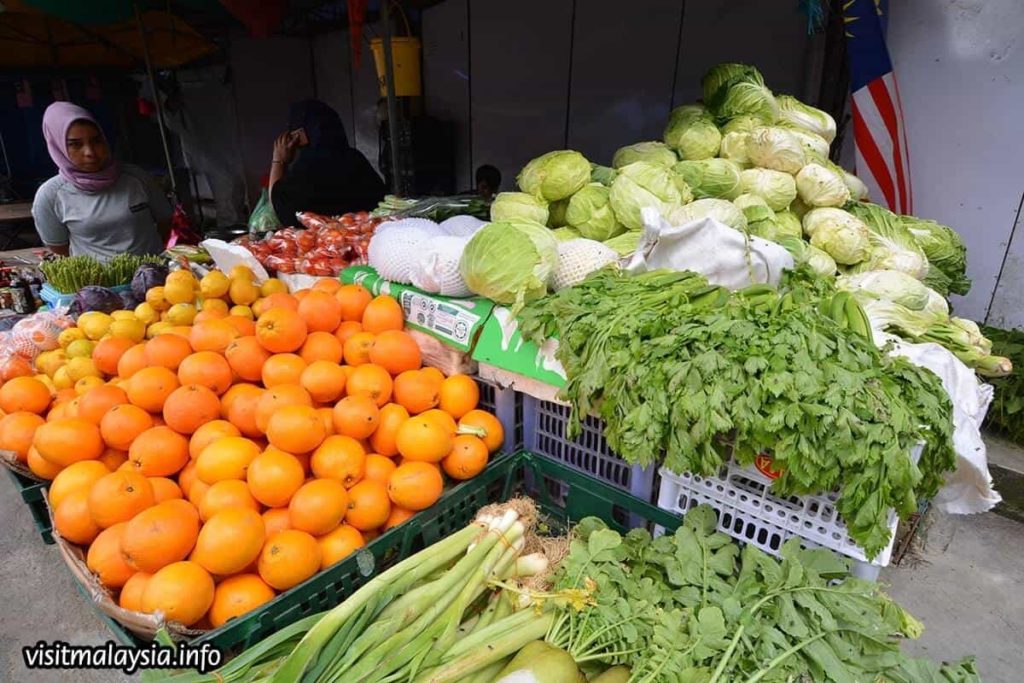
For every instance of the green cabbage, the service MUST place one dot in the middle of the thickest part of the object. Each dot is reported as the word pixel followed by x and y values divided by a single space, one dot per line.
pixel 732 90
pixel 509 205
pixel 734 147
pixel 717 178
pixel 653 152
pixel 799 209
pixel 816 121
pixel 741 124
pixel 624 244
pixel 555 175
pixel 820 186
pixel 945 251
pixel 890 285
pixel 788 224
pixel 692 133
pixel 815 147
pixel 841 235
pixel 893 246
pixel 556 213
pixel 566 233
pixel 778 189
pixel 642 184
pixel 602 174
pixel 776 148
pixel 759 216
pixel 858 190
pixel 804 253
pixel 510 262
pixel 590 213
pixel 721 210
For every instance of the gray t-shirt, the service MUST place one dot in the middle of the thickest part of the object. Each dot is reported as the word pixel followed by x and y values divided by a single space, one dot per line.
pixel 121 219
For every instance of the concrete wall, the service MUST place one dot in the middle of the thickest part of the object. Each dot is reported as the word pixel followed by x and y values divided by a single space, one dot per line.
pixel 960 66
pixel 532 76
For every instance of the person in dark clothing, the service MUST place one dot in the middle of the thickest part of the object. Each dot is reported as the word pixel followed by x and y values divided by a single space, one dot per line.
pixel 315 169
pixel 488 181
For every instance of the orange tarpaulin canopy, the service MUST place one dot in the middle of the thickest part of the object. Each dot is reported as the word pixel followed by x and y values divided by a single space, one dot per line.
pixel 30 38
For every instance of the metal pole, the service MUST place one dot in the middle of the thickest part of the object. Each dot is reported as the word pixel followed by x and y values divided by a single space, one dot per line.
pixel 159 105
pixel 389 78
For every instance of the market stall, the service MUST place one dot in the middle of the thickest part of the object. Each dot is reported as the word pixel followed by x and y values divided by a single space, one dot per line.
pixel 727 371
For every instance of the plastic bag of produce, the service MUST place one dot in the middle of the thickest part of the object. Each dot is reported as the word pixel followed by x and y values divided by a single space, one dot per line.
pixel 437 269
pixel 263 218
pixel 723 255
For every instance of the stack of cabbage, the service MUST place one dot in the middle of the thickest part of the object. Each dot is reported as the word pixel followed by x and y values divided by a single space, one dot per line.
pixel 756 161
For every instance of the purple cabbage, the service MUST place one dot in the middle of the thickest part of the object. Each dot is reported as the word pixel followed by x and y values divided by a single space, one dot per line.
pixel 93 298
pixel 148 275
pixel 128 300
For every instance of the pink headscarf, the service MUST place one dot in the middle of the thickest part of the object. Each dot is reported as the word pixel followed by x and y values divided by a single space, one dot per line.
pixel 56 120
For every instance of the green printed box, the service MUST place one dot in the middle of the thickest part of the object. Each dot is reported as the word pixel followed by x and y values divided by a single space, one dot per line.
pixel 501 345
pixel 456 322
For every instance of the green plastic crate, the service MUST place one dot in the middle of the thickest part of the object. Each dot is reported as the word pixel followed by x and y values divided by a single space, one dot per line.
pixel 542 479
pixel 34 495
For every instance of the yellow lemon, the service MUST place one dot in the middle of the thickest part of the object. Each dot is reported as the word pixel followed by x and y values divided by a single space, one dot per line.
pixel 179 292
pixel 146 313
pixel 69 335
pixel 243 292
pixel 129 329
pixel 242 311
pixel 86 383
pixel 162 327
pixel 61 379
pixel 155 298
pixel 123 315
pixel 241 272
pixel 82 367
pixel 80 348
pixel 214 285
pixel 94 324
pixel 273 286
pixel 181 314
pixel 51 361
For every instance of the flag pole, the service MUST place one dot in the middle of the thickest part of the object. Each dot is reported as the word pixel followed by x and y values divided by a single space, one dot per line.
pixel 156 97
pixel 389 82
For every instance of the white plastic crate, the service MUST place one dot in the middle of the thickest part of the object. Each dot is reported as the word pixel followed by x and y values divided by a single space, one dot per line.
pixel 507 406
pixel 544 424
pixel 748 512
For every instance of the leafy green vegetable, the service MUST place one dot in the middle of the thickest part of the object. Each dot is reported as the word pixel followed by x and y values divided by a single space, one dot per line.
pixel 945 251
pixel 811 119
pixel 689 374
pixel 1007 410
pixel 732 90
pixel 692 606
pixel 893 247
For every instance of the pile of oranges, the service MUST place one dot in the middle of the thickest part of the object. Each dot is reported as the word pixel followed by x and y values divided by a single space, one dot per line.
pixel 223 462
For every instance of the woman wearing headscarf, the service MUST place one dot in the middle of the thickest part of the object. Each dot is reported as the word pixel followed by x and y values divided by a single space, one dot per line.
pixel 315 169
pixel 94 205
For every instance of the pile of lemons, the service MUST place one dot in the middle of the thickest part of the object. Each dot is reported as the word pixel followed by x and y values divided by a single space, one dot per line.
pixel 176 303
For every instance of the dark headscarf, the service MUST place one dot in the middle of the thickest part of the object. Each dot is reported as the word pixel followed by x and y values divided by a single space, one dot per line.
pixel 328 176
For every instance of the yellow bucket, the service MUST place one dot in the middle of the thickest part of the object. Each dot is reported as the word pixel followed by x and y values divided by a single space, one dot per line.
pixel 405 58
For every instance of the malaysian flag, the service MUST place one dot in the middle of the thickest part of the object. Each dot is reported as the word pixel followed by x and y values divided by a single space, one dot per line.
pixel 879 133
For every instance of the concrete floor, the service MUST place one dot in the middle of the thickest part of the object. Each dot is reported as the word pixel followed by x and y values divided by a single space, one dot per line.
pixel 963 578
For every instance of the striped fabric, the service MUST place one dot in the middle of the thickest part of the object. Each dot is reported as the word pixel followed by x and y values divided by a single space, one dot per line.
pixel 883 161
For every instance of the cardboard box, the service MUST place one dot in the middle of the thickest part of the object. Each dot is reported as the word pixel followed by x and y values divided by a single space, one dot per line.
pixel 456 322
pixel 501 345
